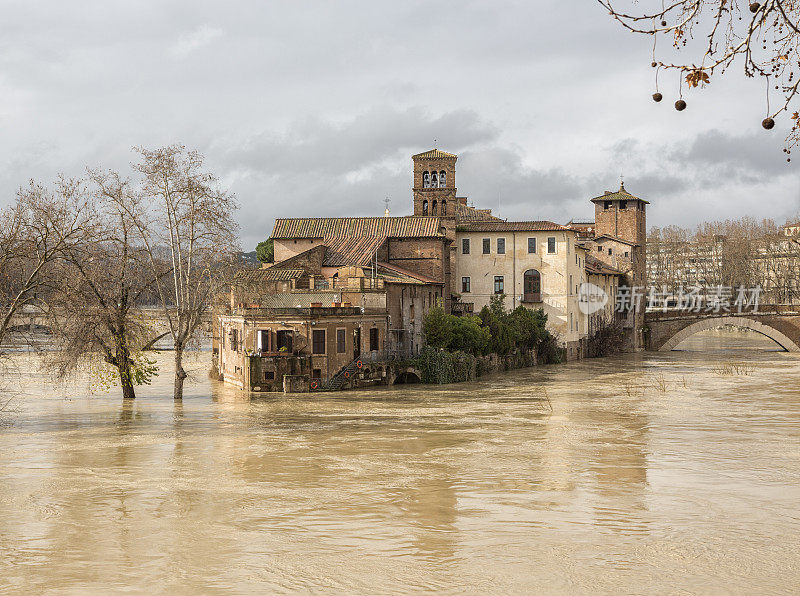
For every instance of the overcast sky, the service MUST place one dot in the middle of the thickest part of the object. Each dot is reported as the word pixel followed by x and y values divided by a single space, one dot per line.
pixel 315 108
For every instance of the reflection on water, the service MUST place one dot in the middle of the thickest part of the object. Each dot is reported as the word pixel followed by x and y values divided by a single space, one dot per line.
pixel 622 487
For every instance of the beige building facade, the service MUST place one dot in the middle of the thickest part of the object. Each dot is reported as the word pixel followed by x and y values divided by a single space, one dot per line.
pixel 533 264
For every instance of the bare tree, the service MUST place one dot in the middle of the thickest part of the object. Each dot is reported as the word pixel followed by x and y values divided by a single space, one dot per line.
pixel 705 37
pixel 185 219
pixel 34 233
pixel 94 306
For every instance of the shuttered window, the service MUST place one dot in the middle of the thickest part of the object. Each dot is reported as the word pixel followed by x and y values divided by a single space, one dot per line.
pixel 318 341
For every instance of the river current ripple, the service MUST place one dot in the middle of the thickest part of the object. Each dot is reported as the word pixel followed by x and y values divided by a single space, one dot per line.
pixel 664 473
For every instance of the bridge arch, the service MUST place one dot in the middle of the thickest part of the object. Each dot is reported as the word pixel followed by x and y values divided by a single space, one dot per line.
pixel 742 322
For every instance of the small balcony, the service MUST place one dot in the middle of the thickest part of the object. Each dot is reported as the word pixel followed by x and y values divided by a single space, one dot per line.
pixel 532 297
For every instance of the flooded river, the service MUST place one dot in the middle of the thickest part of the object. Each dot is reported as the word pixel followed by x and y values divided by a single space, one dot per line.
pixel 667 473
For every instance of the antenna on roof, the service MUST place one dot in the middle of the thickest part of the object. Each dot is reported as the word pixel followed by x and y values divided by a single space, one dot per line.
pixel 434 143
pixel 386 202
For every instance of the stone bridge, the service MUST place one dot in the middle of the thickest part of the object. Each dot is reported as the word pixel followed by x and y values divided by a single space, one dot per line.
pixel 34 319
pixel 781 323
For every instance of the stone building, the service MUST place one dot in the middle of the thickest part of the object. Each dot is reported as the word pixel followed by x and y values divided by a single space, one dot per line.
pixel 346 289
pixel 536 264
pixel 618 240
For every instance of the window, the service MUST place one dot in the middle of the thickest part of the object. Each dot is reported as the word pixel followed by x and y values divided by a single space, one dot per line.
pixel 487 246
pixel 269 375
pixel 501 246
pixel 465 285
pixel 498 284
pixel 609 251
pixel 551 245
pixel 607 205
pixel 318 341
pixel 599 249
pixel 623 204
pixel 373 339
pixel 341 334
pixel 316 373
pixel 531 246
pixel 465 246
pixel 285 340
pixel 627 253
pixel 532 286
pixel 433 208
pixel 434 180
pixel 442 180
pixel 426 179
pixel 444 207
pixel 234 337
pixel 425 207
pixel 263 338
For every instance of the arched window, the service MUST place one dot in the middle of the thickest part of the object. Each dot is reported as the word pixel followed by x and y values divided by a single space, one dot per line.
pixel 442 179
pixel 532 286
pixel 434 179
pixel 425 207
pixel 444 207
pixel 426 180
pixel 433 208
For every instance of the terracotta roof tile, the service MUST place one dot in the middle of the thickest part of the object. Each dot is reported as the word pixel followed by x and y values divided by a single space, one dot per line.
pixel 270 274
pixel 433 154
pixel 512 226
pixel 405 275
pixel 620 195
pixel 334 227
pixel 351 250
pixel 464 213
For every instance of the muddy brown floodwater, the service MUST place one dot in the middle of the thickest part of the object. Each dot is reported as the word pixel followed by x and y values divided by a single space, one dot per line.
pixel 667 473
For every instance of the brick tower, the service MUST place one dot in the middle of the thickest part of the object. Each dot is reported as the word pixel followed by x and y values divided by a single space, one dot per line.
pixel 434 183
pixel 621 241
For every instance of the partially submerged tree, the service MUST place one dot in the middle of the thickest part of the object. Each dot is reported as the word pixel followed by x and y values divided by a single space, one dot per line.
pixel 183 217
pixel 705 37
pixel 101 281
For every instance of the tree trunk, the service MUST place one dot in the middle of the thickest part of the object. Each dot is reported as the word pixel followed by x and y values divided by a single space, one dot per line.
pixel 180 374
pixel 126 379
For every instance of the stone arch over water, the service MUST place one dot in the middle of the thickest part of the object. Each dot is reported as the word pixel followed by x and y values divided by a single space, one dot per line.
pixel 742 322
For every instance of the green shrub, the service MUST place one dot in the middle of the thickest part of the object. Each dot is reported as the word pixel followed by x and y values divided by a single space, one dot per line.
pixel 441 367
pixel 438 328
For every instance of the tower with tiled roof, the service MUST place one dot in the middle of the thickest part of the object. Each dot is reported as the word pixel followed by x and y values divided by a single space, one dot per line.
pixel 434 183
pixel 621 241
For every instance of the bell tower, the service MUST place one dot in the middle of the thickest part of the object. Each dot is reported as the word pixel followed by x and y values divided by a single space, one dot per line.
pixel 434 184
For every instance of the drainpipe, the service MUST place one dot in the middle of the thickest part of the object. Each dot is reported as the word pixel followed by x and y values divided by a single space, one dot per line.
pixel 514 270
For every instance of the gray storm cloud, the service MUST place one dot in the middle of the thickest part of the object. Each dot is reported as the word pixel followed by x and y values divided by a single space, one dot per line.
pixel 315 108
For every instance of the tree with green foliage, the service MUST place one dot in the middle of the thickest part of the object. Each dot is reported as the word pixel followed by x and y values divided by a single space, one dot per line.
pixel 529 326
pixel 265 251
pixel 469 336
pixel 438 328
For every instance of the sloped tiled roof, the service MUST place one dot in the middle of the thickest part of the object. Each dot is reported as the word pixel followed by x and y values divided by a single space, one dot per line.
pixel 464 213
pixel 620 195
pixel 594 265
pixel 433 154
pixel 513 226
pixel 270 274
pixel 351 250
pixel 334 227
pixel 615 239
pixel 389 270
